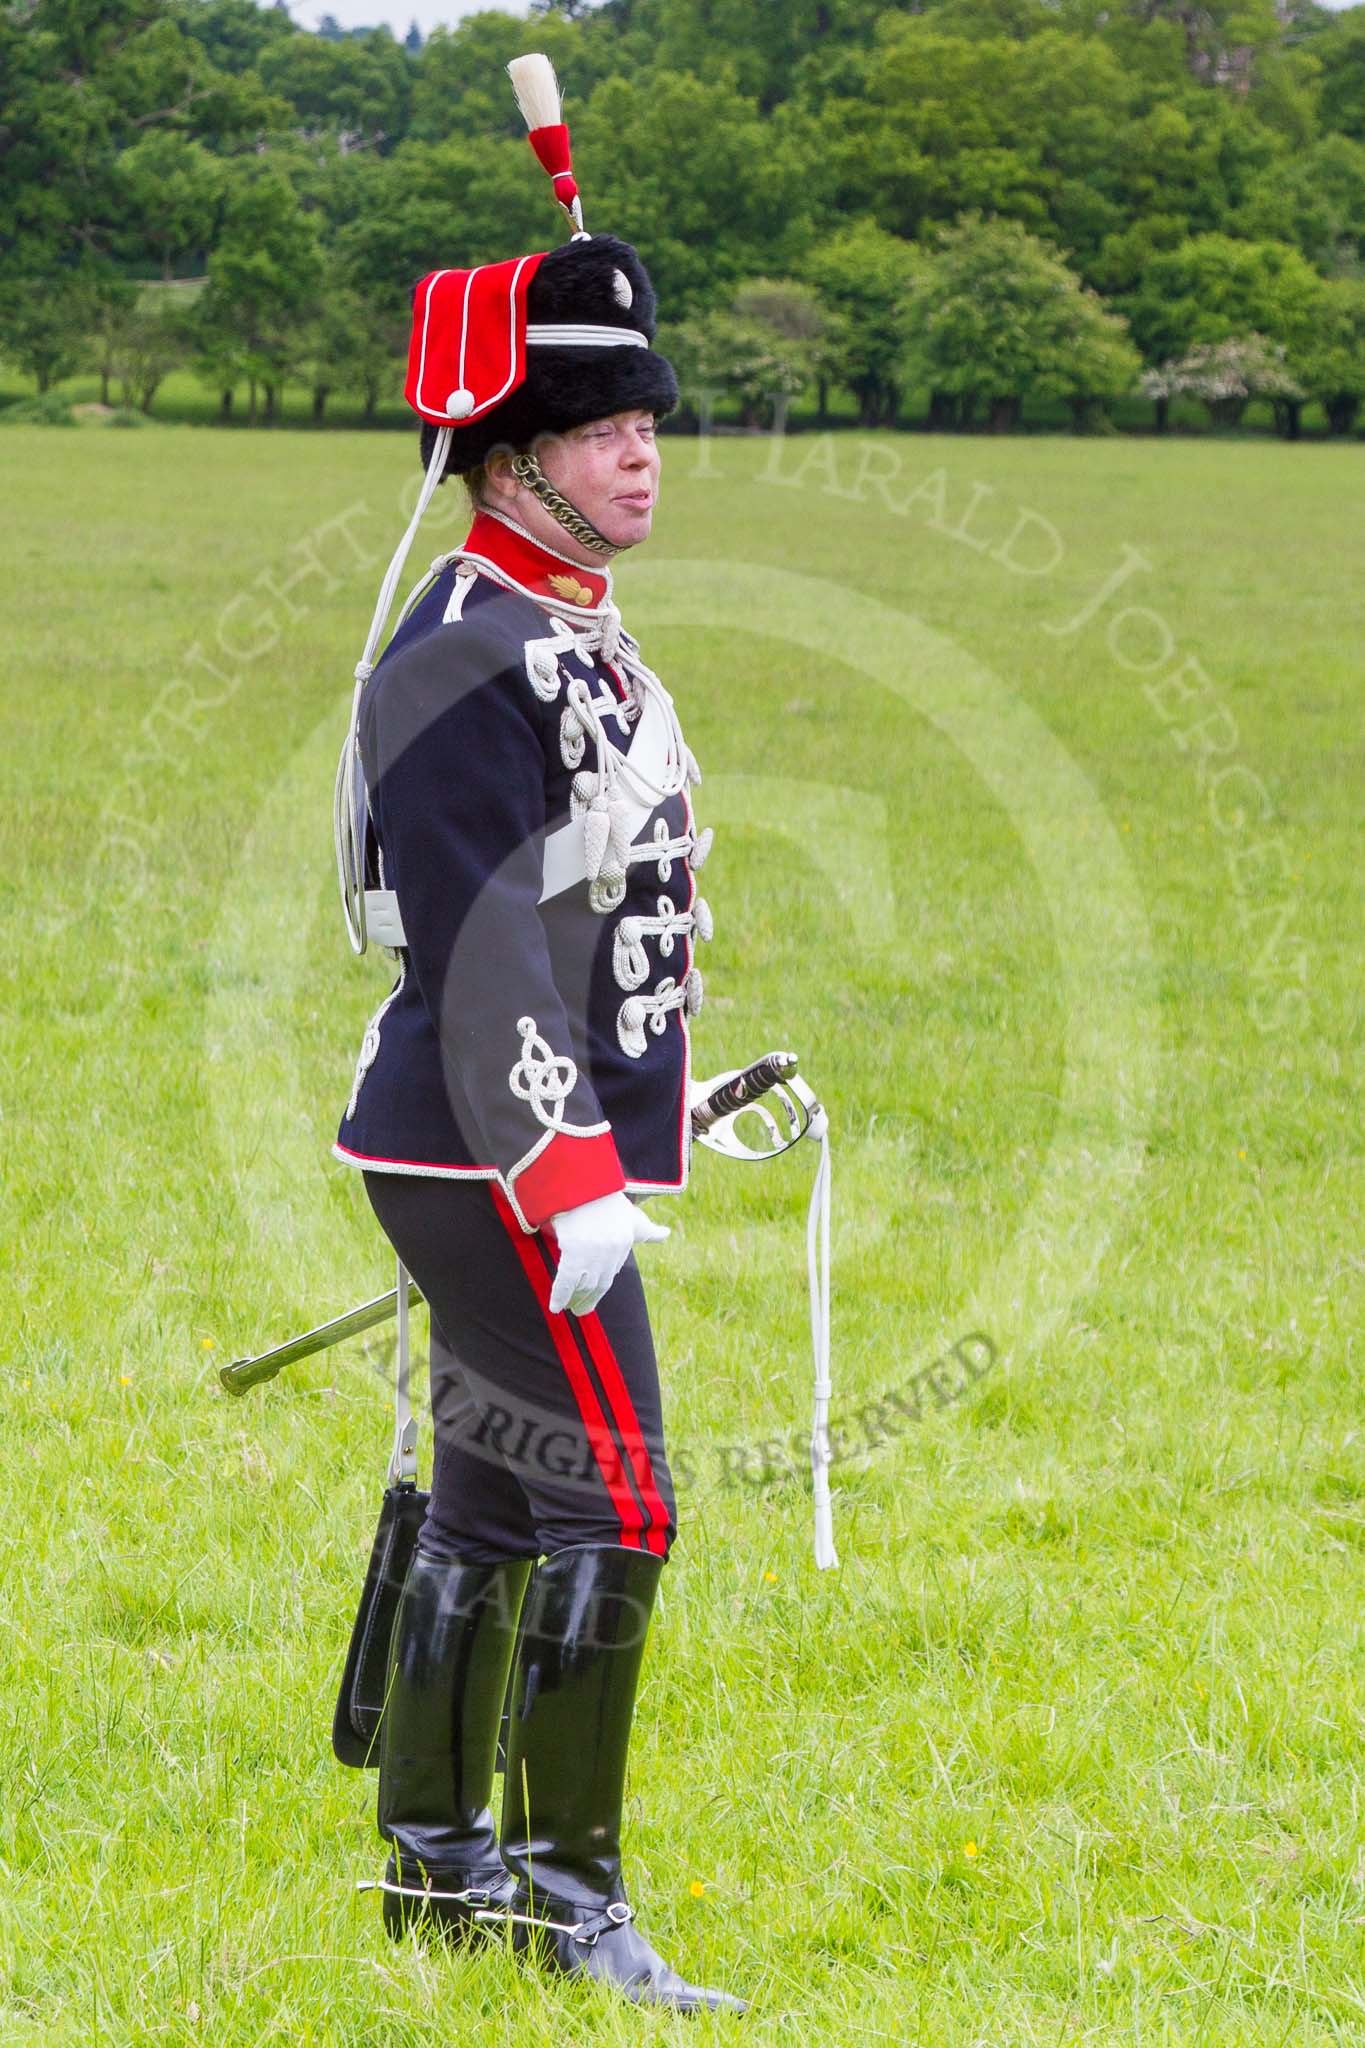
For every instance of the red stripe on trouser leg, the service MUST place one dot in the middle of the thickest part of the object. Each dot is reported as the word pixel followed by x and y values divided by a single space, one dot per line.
pixel 594 1333
pixel 594 1422
pixel 628 1425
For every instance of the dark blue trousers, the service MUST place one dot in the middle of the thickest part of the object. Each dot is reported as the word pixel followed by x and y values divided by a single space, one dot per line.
pixel 548 1428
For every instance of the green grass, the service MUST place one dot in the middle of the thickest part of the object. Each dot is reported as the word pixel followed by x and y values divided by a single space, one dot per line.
pixel 1068 1750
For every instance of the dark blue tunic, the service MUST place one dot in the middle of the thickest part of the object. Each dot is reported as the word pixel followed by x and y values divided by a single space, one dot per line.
pixel 520 1040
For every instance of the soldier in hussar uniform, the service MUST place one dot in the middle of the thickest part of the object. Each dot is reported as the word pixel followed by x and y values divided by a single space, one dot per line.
pixel 525 843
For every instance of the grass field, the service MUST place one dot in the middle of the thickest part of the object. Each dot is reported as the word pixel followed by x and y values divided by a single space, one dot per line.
pixel 1057 894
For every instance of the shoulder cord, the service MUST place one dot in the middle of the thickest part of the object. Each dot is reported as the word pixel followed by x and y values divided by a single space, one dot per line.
pixel 347 830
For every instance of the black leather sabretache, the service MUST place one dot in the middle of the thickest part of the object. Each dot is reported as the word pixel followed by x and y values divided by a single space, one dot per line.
pixel 360 1702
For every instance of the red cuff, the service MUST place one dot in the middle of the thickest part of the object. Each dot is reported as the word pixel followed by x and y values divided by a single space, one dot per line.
pixel 568 1172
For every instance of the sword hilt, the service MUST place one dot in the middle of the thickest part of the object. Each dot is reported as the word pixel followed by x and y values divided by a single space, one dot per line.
pixel 742 1089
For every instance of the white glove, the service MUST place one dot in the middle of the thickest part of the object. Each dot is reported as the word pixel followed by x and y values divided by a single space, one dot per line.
pixel 595 1240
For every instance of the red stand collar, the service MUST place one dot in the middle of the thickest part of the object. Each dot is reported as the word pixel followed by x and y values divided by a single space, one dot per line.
pixel 536 568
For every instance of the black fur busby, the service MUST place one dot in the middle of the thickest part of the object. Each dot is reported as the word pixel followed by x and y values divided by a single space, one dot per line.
pixel 599 280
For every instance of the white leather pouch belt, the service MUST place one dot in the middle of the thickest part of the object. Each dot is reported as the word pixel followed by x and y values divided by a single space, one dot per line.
pixel 565 861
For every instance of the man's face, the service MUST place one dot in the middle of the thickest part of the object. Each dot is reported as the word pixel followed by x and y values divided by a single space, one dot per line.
pixel 609 469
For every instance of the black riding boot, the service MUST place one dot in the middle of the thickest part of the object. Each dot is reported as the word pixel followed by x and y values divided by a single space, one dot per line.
pixel 453 1639
pixel 573 1698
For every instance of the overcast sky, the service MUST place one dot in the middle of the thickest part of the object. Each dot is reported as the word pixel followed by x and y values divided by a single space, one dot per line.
pixel 430 14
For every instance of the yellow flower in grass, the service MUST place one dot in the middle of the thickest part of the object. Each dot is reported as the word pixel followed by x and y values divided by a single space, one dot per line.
pixel 770 1578
pixel 207 1344
pixel 696 1887
pixel 969 1848
pixel 125 1379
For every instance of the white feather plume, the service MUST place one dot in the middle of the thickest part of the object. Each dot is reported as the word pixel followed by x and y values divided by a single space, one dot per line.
pixel 537 89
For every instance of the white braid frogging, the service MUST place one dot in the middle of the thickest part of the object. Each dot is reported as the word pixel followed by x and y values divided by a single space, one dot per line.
pixel 542 1077
pixel 604 797
pixel 653 1008
pixel 369 1044
pixel 630 962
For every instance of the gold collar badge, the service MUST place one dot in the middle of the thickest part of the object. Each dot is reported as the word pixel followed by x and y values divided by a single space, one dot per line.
pixel 569 587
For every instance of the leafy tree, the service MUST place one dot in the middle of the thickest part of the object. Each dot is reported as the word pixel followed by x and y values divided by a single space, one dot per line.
pixel 264 278
pixel 85 79
pixel 785 305
pixel 756 46
pixel 1200 161
pixel 40 328
pixel 352 345
pixel 234 34
pixel 696 178
pixel 1314 199
pixel 172 193
pixel 934 123
pixel 759 349
pixel 1219 42
pixel 460 87
pixel 374 364
pixel 997 316
pixel 359 87
pixel 1341 52
pixel 110 306
pixel 864 276
pixel 1122 258
pixel 1332 367
pixel 154 337
pixel 809 334
pixel 1213 288
pixel 397 221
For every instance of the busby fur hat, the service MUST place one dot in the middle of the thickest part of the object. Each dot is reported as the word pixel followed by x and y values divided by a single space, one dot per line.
pixel 541 343
pixel 499 354
pixel 593 282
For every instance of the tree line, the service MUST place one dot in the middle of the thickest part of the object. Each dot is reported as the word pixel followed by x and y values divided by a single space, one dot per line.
pixel 958 205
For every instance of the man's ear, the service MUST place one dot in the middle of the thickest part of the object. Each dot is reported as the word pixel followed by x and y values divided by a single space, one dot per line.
pixel 500 482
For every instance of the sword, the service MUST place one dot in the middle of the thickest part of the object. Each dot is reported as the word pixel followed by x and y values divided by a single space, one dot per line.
pixel 737 1092
pixel 251 1372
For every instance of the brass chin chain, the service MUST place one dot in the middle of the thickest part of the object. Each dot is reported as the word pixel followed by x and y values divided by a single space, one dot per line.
pixel 528 471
